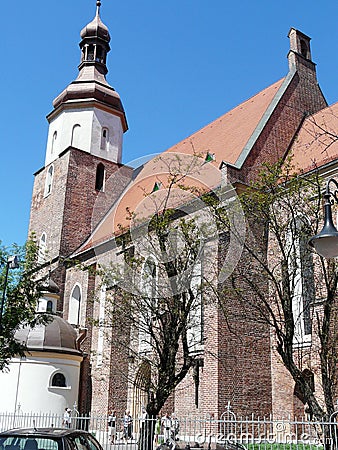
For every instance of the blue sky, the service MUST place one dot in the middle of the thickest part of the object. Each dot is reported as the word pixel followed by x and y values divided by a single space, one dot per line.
pixel 177 66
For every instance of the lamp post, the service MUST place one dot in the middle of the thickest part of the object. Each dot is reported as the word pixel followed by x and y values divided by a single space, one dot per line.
pixel 326 242
pixel 11 263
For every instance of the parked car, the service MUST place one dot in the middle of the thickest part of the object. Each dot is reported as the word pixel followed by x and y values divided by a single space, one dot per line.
pixel 47 439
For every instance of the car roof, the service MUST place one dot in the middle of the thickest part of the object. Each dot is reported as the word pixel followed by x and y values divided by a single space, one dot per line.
pixel 42 432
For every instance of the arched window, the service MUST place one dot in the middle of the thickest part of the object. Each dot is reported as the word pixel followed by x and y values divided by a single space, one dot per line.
pixel 195 319
pixel 74 306
pixel 75 140
pixel 99 181
pixel 49 307
pixel 55 135
pixel 46 304
pixel 49 181
pixel 101 330
pixel 42 249
pixel 58 380
pixel 301 279
pixel 104 139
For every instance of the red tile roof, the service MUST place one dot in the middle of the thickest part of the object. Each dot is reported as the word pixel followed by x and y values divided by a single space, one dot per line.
pixel 317 142
pixel 225 138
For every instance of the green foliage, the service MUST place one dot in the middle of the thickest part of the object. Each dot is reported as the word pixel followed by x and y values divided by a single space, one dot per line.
pixel 283 210
pixel 20 298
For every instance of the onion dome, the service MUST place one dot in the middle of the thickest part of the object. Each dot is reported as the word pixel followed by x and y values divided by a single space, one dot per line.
pixel 91 84
pixel 57 336
pixel 96 28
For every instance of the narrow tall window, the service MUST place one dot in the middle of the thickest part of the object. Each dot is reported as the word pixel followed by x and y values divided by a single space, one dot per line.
pixel 55 135
pixel 75 306
pixel 76 135
pixel 42 249
pixel 104 139
pixel 100 339
pixel 301 278
pixel 90 52
pixel 195 321
pixel 49 306
pixel 99 181
pixel 49 181
pixel 99 54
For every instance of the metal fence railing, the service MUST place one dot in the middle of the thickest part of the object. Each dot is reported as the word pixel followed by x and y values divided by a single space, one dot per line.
pixel 228 431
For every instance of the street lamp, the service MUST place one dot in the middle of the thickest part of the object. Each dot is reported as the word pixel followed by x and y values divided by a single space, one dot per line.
pixel 11 263
pixel 326 242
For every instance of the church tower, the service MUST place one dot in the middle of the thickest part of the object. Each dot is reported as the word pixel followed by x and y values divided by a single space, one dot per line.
pixel 84 148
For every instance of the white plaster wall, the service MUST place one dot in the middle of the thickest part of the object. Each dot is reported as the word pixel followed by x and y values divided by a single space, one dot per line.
pixel 26 387
pixel 91 121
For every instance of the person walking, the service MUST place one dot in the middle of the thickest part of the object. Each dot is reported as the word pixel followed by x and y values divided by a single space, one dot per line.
pixel 67 420
pixel 175 426
pixel 112 426
pixel 166 427
pixel 127 426
pixel 142 424
pixel 157 431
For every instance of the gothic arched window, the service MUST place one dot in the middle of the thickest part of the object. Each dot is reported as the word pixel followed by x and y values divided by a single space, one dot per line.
pixel 195 320
pixel 104 139
pixel 42 249
pixel 75 139
pixel 301 279
pixel 55 135
pixel 74 306
pixel 49 181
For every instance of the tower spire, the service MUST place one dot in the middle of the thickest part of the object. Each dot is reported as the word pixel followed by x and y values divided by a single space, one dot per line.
pixel 98 4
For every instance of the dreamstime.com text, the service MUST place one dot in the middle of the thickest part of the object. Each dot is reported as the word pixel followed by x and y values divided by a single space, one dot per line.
pixel 269 438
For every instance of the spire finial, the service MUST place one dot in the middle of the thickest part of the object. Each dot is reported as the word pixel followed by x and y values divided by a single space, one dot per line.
pixel 98 4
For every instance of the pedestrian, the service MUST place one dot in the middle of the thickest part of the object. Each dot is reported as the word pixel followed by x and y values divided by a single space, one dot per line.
pixel 127 426
pixel 112 426
pixel 142 423
pixel 166 427
pixel 67 418
pixel 175 426
pixel 157 431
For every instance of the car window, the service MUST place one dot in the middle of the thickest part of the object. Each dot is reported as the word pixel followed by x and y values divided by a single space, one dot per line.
pixel 80 442
pixel 93 444
pixel 31 443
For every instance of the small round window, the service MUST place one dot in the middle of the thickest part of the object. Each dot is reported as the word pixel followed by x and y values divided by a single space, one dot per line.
pixel 59 380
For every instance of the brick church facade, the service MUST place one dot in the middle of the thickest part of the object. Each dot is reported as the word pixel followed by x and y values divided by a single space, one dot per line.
pixel 73 220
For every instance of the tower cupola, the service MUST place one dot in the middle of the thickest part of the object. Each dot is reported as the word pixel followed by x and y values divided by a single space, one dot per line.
pixel 88 114
pixel 95 43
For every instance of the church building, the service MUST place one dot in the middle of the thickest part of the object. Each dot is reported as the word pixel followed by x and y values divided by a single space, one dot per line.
pixel 79 203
